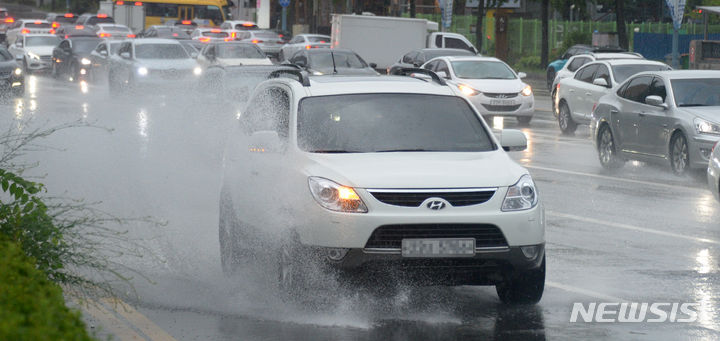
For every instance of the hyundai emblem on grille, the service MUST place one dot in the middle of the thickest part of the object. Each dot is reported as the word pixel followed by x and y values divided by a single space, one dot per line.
pixel 435 205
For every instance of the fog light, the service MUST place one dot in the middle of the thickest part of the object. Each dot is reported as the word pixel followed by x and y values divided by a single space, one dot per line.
pixel 705 152
pixel 83 71
pixel 337 253
pixel 530 252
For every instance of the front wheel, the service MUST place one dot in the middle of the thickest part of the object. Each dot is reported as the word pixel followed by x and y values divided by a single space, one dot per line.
pixel 524 120
pixel 607 152
pixel 565 121
pixel 523 288
pixel 679 156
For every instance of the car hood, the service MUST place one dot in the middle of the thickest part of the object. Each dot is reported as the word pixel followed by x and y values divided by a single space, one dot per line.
pixel 245 61
pixel 417 169
pixel 167 64
pixel 711 114
pixel 494 85
pixel 345 71
pixel 8 66
pixel 40 50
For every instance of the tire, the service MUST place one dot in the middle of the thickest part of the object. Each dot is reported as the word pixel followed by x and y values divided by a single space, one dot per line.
pixel 607 150
pixel 281 56
pixel 524 120
pixel 679 154
pixel 523 288
pixel 75 72
pixel 26 70
pixel 565 121
pixel 298 270
pixel 55 71
pixel 550 78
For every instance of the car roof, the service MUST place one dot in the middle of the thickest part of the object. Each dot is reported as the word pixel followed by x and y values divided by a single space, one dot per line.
pixel 39 35
pixel 42 21
pixel 631 62
pixel 479 58
pixel 142 41
pixel 336 85
pixel 617 55
pixel 685 74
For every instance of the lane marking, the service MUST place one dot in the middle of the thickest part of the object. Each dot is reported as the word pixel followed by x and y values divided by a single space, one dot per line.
pixel 612 178
pixel 139 321
pixel 585 292
pixel 113 324
pixel 632 227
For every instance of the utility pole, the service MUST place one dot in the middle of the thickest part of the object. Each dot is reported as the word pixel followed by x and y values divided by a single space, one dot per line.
pixel 412 8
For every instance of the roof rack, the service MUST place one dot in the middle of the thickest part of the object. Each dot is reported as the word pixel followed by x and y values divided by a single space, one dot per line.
pixel 408 71
pixel 302 76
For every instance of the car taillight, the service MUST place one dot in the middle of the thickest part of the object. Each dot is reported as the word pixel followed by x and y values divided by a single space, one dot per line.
pixel 105 35
pixel 186 22
pixel 38 22
pixel 594 106
pixel 255 41
pixel 25 31
pixel 138 3
pixel 322 42
pixel 120 3
pixel 280 35
pixel 175 34
pixel 52 31
pixel 247 24
pixel 69 15
pixel 307 47
pixel 229 39
pixel 102 15
pixel 9 20
pixel 204 39
pixel 67 36
pixel 131 35
pixel 79 27
pixel 55 24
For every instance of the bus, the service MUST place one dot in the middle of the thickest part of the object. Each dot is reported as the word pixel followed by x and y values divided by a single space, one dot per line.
pixel 202 12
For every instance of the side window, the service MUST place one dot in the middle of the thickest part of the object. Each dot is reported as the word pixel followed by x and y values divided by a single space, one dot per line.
pixel 431 66
pixel 442 66
pixel 126 47
pixel 100 48
pixel 657 88
pixel 269 110
pixel 65 45
pixel 408 58
pixel 577 63
pixel 438 40
pixel 586 73
pixel 604 73
pixel 637 89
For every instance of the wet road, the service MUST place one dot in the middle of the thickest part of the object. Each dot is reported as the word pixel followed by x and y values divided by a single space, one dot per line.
pixel 639 234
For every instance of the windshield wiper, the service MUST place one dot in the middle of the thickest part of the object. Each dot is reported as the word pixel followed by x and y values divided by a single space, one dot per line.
pixel 335 151
pixel 693 105
pixel 405 150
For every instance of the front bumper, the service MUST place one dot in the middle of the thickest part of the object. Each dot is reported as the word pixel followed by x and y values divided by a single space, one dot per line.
pixel 42 64
pixel 272 50
pixel 713 176
pixel 517 106
pixel 700 148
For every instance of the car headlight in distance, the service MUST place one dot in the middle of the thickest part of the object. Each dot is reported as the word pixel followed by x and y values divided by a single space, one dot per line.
pixel 33 56
pixel 85 61
pixel 467 90
pixel 521 196
pixel 142 71
pixel 335 197
pixel 526 91
pixel 705 127
pixel 197 71
pixel 18 71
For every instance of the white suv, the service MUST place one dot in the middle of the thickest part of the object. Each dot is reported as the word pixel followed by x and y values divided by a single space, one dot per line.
pixel 380 175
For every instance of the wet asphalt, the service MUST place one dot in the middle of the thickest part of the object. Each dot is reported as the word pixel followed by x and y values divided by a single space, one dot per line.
pixel 638 234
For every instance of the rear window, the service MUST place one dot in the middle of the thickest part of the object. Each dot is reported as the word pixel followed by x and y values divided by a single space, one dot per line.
pixel 368 123
pixel 38 25
pixel 318 39
pixel 115 29
pixel 240 27
pixel 96 20
pixel 623 72
pixel 239 51
pixel 65 20
pixel 342 60
pixel 266 35
pixel 215 34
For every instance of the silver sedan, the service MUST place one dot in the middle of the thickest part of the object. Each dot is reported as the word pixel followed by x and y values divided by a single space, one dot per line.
pixel 662 117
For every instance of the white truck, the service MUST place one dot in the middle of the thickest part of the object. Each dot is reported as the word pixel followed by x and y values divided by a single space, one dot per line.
pixel 128 13
pixel 382 40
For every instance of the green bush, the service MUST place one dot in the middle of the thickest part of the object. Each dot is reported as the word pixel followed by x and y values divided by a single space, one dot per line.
pixel 574 38
pixel 32 307
pixel 528 63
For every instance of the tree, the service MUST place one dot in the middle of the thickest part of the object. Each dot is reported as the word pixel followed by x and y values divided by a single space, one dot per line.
pixel 620 19
pixel 545 37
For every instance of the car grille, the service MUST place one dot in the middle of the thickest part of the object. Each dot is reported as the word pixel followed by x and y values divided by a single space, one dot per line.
pixel 414 199
pixel 500 95
pixel 500 108
pixel 46 58
pixel 5 74
pixel 391 236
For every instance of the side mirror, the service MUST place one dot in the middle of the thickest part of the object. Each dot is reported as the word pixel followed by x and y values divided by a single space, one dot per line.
pixel 522 74
pixel 600 82
pixel 373 65
pixel 125 55
pixel 300 63
pixel 104 53
pixel 416 64
pixel 656 101
pixel 265 141
pixel 513 140
pixel 442 74
pixel 19 44
pixel 194 55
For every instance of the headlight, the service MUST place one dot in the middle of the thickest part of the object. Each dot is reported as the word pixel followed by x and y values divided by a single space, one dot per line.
pixel 335 197
pixel 33 56
pixel 705 127
pixel 18 71
pixel 467 90
pixel 317 73
pixel 85 61
pixel 521 196
pixel 197 71
pixel 526 91
pixel 142 71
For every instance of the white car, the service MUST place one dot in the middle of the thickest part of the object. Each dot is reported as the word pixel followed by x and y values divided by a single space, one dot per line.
pixel 206 35
pixel 576 61
pixel 576 97
pixel 303 42
pixel 490 84
pixel 113 31
pixel 375 176
pixel 238 25
pixel 713 171
pixel 27 26
pixel 34 51
pixel 232 54
pixel 268 41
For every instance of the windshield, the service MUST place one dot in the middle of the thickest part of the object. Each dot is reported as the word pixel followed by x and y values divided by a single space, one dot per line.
pixel 445 52
pixel 160 51
pixel 37 25
pixel 239 51
pixel 623 72
pixel 699 92
pixel 65 20
pixel 318 39
pixel 342 60
pixel 97 20
pixel 390 122
pixel 42 41
pixel 480 69
pixel 84 46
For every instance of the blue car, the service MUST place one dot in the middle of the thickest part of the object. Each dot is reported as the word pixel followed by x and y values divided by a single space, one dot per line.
pixel 558 64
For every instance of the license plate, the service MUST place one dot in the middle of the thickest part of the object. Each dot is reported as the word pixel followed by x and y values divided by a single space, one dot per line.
pixel 446 247
pixel 502 102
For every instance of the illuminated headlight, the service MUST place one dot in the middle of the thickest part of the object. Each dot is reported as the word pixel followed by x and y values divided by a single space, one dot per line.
pixel 526 91
pixel 18 71
pixel 521 196
pixel 85 61
pixel 317 73
pixel 197 71
pixel 467 90
pixel 142 71
pixel 335 197
pixel 705 127
pixel 33 56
